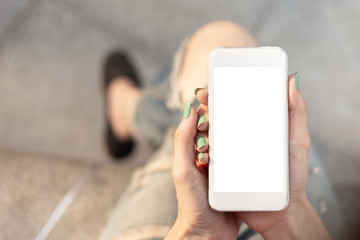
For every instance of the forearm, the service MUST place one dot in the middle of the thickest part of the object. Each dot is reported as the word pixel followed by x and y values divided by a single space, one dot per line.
pixel 302 223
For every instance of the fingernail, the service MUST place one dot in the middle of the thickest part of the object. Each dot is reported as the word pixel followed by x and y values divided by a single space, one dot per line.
pixel 200 156
pixel 196 90
pixel 187 110
pixel 297 81
pixel 200 142
pixel 202 119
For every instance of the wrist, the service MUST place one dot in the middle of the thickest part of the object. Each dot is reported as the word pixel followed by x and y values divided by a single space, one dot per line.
pixel 184 230
pixel 300 221
pixel 290 223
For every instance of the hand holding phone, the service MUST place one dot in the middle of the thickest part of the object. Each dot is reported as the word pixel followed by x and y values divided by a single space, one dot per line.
pixel 195 216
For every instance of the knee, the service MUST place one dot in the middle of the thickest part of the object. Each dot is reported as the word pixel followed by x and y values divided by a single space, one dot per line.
pixel 224 32
pixel 223 26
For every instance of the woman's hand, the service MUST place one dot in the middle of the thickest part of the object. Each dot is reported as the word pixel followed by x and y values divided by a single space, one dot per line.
pixel 196 218
pixel 299 220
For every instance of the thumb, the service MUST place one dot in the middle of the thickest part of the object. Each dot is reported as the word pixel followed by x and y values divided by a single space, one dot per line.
pixel 299 138
pixel 298 133
pixel 184 140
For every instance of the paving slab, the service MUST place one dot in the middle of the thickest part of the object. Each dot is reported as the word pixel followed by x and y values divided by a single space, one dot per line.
pixel 31 187
pixel 92 207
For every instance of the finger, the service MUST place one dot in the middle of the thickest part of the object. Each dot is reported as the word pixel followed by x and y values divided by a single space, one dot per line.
pixel 203 158
pixel 203 124
pixel 202 168
pixel 202 142
pixel 189 177
pixel 298 132
pixel 202 95
pixel 185 135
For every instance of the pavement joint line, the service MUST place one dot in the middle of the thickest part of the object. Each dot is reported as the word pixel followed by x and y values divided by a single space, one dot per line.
pixel 65 202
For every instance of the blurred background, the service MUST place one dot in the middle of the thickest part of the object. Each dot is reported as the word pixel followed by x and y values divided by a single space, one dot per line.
pixel 51 102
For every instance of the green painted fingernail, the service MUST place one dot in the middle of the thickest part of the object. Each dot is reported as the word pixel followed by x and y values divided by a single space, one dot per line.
pixel 200 142
pixel 200 156
pixel 187 110
pixel 196 90
pixel 297 81
pixel 202 119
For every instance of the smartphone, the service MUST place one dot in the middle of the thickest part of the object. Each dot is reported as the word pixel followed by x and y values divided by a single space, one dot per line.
pixel 248 129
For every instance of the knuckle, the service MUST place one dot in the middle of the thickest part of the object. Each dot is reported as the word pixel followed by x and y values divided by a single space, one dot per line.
pixel 303 105
pixel 179 134
pixel 180 174
pixel 304 143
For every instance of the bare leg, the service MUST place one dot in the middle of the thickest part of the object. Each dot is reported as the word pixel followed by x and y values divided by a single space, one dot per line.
pixel 122 97
pixel 193 73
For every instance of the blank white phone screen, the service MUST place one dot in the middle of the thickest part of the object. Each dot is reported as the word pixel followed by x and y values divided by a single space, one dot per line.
pixel 248 129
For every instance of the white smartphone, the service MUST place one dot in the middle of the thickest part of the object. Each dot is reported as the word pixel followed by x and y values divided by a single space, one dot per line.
pixel 248 129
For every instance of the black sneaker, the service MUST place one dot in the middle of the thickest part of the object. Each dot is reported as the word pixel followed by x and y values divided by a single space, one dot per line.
pixel 116 65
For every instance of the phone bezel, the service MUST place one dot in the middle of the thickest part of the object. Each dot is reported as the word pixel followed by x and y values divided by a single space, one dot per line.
pixel 249 57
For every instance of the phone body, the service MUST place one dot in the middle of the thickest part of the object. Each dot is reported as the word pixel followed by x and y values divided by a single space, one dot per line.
pixel 248 129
